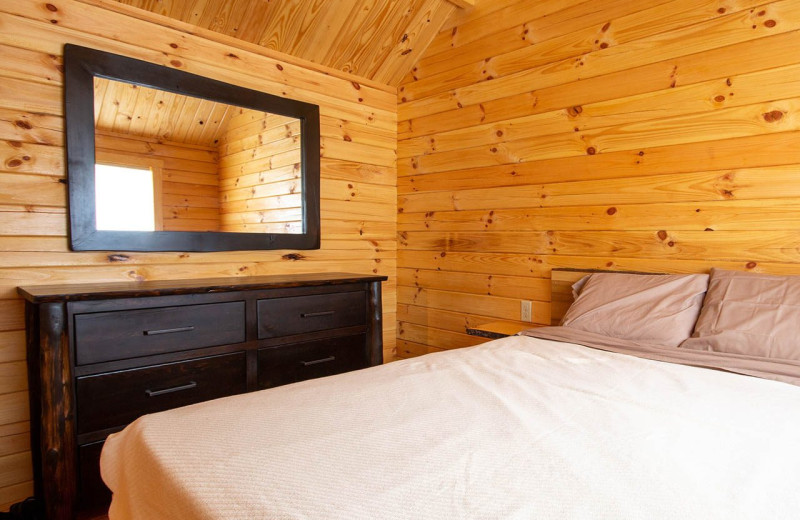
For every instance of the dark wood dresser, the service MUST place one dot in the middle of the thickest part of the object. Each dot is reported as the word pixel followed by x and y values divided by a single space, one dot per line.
pixel 101 355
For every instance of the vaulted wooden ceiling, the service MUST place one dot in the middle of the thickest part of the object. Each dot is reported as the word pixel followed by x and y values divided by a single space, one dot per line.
pixel 377 39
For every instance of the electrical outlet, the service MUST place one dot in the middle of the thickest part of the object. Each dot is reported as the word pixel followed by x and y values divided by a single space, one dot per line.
pixel 525 310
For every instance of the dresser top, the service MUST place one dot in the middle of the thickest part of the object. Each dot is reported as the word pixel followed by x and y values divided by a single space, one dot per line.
pixel 98 291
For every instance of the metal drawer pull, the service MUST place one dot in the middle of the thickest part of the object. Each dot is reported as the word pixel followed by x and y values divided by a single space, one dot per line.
pixel 318 361
pixel 168 331
pixel 316 314
pixel 153 393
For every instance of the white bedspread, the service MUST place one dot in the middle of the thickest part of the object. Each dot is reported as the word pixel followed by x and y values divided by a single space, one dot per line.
pixel 519 428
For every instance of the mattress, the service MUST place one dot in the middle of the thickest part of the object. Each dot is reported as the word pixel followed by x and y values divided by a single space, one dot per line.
pixel 516 428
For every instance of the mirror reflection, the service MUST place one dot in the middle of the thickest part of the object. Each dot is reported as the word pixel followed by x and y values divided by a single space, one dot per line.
pixel 171 162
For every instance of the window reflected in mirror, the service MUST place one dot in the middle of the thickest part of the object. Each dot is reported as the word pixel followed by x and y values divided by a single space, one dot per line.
pixel 125 198
pixel 213 167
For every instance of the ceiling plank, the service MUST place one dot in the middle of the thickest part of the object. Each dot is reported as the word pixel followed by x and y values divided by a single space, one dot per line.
pixel 379 40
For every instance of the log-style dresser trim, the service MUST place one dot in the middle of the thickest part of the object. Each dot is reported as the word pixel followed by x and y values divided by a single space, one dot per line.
pixel 55 370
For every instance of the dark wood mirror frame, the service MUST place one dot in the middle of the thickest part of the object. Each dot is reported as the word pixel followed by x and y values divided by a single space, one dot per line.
pixel 82 65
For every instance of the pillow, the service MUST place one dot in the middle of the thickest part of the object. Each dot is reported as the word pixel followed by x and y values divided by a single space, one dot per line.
pixel 751 314
pixel 657 309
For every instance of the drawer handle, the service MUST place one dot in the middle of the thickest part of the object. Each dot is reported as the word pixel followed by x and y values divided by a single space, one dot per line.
pixel 318 361
pixel 153 393
pixel 168 331
pixel 316 314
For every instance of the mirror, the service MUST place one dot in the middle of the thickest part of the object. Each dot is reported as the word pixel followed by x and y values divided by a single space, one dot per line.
pixel 163 160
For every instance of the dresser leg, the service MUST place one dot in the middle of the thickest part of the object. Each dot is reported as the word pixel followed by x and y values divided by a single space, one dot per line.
pixel 57 430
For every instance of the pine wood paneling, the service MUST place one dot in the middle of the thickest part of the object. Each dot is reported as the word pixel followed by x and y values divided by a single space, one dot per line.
pixel 358 171
pixel 655 136
pixel 376 39
pixel 265 146
pixel 190 183
pixel 123 108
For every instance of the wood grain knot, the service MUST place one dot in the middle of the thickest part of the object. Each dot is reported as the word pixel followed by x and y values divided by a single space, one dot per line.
pixel 574 111
pixel 293 257
pixel 662 235
pixel 771 117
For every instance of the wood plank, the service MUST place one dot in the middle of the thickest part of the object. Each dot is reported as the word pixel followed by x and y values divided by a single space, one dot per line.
pixel 692 39
pixel 485 305
pixel 408 349
pixel 700 98
pixel 91 26
pixel 521 287
pixel 14 409
pixel 639 26
pixel 15 493
pixel 725 123
pixel 723 185
pixel 741 58
pixel 749 152
pixel 13 377
pixel 515 264
pixel 251 23
pixel 441 338
pixel 15 468
pixel 529 24
pixel 12 346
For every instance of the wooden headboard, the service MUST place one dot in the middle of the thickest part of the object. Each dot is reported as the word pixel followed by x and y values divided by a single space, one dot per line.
pixel 561 289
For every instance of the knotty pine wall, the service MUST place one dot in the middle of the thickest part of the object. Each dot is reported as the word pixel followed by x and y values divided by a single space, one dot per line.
pixel 653 135
pixel 358 175
pixel 260 187
pixel 189 180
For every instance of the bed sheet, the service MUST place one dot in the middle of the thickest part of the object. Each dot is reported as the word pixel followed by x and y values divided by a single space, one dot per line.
pixel 516 428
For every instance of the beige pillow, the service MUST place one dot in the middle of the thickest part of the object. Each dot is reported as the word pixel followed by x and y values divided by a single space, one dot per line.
pixel 751 314
pixel 657 309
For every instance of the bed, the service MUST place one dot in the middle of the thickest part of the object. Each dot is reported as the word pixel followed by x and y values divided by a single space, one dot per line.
pixel 521 427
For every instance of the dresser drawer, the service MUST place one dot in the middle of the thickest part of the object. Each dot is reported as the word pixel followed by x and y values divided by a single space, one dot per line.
pixel 109 336
pixel 299 314
pixel 301 361
pixel 117 398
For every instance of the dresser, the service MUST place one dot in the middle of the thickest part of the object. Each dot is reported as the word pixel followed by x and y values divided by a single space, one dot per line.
pixel 101 355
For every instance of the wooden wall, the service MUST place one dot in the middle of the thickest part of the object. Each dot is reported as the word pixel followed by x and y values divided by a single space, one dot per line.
pixel 189 179
pixel 358 175
pixel 260 187
pixel 650 135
